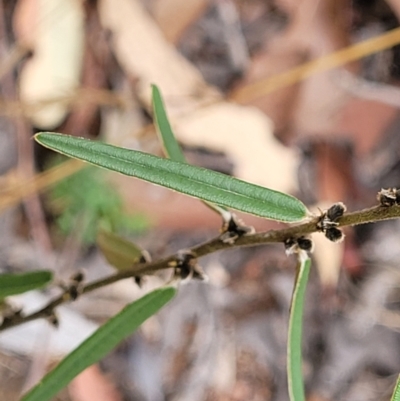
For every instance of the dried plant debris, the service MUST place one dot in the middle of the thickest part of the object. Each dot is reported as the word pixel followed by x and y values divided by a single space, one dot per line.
pixel 336 211
pixel 74 288
pixel 334 234
pixel 295 245
pixel 234 228
pixel 54 320
pixel 389 197
pixel 145 258
pixel 328 222
pixel 10 313
pixel 186 266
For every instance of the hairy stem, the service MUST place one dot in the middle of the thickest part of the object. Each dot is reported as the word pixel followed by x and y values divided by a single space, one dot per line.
pixel 373 214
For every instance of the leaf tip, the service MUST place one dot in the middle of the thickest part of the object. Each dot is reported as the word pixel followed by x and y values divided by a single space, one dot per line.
pixel 37 136
pixel 41 135
pixel 154 89
pixel 171 289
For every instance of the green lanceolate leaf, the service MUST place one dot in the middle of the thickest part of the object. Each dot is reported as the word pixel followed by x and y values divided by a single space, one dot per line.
pixel 190 180
pixel 118 251
pixel 171 146
pixel 396 392
pixel 294 361
pixel 12 284
pixel 100 343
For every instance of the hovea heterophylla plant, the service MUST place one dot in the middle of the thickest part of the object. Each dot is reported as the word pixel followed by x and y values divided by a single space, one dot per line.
pixel 220 192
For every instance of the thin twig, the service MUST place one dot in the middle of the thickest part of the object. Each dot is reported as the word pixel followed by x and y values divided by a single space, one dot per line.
pixel 373 214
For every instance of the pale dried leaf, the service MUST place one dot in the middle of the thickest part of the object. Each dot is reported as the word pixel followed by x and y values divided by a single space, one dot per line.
pixel 243 133
pixel 54 70
pixel 246 135
pixel 145 54
pixel 174 16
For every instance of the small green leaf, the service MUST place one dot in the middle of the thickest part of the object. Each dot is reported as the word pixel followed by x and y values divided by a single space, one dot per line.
pixel 171 147
pixel 396 392
pixel 191 180
pixel 118 251
pixel 18 283
pixel 100 343
pixel 294 361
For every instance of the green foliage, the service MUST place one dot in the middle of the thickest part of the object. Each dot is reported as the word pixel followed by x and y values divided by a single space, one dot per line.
pixel 294 360
pixel 18 283
pixel 91 193
pixel 118 251
pixel 171 146
pixel 100 343
pixel 396 392
pixel 195 181
pixel 85 199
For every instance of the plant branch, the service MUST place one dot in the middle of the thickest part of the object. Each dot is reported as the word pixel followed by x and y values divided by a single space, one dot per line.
pixel 373 214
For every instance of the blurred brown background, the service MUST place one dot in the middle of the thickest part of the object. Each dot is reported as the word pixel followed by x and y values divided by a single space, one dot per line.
pixel 85 68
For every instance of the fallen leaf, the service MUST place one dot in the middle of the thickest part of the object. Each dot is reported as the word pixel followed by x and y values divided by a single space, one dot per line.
pixel 245 134
pixel 146 55
pixel 173 22
pixel 55 68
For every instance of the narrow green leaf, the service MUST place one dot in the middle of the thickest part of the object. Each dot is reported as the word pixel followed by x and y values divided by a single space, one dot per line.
pixel 100 343
pixel 191 180
pixel 171 146
pixel 294 360
pixel 118 251
pixel 396 392
pixel 18 283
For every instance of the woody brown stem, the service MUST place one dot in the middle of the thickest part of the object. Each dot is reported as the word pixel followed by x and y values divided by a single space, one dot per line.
pixel 373 214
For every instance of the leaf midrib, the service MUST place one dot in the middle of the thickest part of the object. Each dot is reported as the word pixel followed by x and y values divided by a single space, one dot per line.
pixel 190 177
